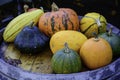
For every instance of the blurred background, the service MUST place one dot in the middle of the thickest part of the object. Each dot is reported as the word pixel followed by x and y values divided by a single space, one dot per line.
pixel 110 9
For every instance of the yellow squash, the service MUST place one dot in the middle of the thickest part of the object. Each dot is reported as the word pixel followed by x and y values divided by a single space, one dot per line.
pixel 18 23
pixel 74 39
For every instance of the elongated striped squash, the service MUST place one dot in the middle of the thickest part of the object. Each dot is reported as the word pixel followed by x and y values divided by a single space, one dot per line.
pixel 18 23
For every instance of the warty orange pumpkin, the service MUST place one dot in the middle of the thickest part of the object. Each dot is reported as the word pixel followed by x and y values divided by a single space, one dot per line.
pixel 58 19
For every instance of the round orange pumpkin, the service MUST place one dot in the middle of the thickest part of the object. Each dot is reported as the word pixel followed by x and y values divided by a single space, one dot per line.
pixel 96 53
pixel 58 19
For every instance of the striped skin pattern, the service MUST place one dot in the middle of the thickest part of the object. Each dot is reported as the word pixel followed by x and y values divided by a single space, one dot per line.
pixel 63 19
pixel 66 61
pixel 93 22
pixel 18 23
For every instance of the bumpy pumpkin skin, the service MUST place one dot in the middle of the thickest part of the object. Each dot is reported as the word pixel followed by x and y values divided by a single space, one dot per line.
pixel 88 24
pixel 66 62
pixel 63 19
pixel 114 41
pixel 74 39
pixel 30 40
pixel 96 54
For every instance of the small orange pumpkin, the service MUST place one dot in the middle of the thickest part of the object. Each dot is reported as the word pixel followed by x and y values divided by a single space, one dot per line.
pixel 58 19
pixel 96 53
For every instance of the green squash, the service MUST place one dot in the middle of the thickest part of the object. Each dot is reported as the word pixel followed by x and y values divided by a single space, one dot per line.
pixel 31 40
pixel 66 61
pixel 114 41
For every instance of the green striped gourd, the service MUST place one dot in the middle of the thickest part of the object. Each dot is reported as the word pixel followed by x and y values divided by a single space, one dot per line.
pixel 66 61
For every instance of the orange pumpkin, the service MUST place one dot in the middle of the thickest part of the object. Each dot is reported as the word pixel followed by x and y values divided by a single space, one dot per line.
pixel 96 53
pixel 58 19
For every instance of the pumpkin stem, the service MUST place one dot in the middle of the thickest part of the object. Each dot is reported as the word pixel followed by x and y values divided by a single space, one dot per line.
pixel 31 24
pixel 110 31
pixel 98 22
pixel 41 8
pixel 67 50
pixel 26 8
pixel 54 7
pixel 96 36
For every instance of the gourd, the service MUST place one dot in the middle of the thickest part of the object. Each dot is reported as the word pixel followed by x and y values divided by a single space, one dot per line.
pixel 58 19
pixel 96 52
pixel 114 41
pixel 66 61
pixel 74 39
pixel 19 22
pixel 93 22
pixel 28 9
pixel 31 40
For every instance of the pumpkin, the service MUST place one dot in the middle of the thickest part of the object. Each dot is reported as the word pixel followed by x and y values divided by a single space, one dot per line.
pixel 96 52
pixel 58 19
pixel 19 22
pixel 114 41
pixel 30 39
pixel 74 39
pixel 66 61
pixel 93 22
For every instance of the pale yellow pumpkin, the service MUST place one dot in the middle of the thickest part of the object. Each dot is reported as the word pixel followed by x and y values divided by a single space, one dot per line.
pixel 74 39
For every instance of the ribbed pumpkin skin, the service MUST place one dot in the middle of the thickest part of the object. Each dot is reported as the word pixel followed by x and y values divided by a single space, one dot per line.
pixel 114 41
pixel 64 63
pixel 74 39
pixel 88 24
pixel 63 19
pixel 19 22
pixel 96 54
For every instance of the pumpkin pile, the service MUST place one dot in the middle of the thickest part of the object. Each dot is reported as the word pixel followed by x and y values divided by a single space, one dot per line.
pixel 72 41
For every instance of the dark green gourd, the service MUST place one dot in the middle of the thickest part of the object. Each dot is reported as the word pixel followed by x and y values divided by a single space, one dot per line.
pixel 30 39
pixel 114 41
pixel 66 61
